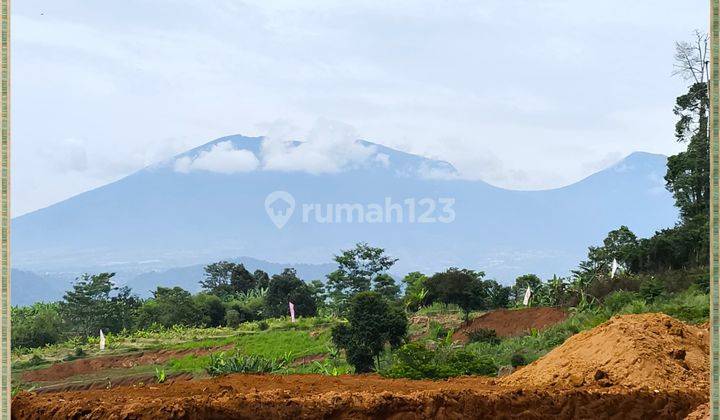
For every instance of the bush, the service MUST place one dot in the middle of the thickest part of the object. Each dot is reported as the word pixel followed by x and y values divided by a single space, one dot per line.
pixel 483 335
pixel 415 361
pixel 651 288
pixel 232 318
pixel 615 301
pixel 517 360
pixel 263 326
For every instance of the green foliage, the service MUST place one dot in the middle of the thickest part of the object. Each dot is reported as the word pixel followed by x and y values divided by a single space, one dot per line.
pixel 415 361
pixel 386 287
pixel 483 335
pixel 372 323
pixel 521 285
pixel 462 287
pixel 222 364
pixel 517 360
pixel 263 325
pixel 651 288
pixel 226 278
pixel 233 319
pixel 211 310
pixel 287 287
pixel 96 303
pixel 615 301
pixel 36 326
pixel 357 269
pixel 160 376
pixel 416 292
pixel 170 307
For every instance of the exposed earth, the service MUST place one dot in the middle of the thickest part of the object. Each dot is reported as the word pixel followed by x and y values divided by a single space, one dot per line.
pixel 513 322
pixel 633 366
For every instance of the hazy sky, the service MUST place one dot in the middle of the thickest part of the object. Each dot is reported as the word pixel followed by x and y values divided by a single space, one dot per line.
pixel 523 94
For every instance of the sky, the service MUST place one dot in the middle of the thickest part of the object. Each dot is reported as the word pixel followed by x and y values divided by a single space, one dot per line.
pixel 523 94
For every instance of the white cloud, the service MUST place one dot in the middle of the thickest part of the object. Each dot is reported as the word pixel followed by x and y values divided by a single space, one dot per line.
pixel 330 147
pixel 221 158
pixel 383 159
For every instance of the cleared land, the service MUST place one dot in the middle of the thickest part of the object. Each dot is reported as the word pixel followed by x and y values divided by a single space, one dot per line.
pixel 633 366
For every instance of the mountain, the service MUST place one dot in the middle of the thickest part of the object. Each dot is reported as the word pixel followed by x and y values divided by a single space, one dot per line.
pixel 192 210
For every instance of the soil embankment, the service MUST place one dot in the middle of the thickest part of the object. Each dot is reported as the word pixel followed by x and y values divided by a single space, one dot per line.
pixel 513 322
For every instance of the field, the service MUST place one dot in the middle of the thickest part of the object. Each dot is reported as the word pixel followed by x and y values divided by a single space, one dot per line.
pixel 632 366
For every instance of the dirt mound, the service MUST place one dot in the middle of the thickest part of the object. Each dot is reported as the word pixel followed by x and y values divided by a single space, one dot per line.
pixel 634 351
pixel 64 370
pixel 702 412
pixel 356 396
pixel 508 323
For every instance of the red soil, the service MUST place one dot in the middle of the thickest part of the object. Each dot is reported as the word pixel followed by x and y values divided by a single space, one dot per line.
pixel 64 370
pixel 652 351
pixel 313 396
pixel 508 323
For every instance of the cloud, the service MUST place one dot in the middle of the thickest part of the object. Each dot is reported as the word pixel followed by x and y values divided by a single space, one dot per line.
pixel 221 158
pixel 330 147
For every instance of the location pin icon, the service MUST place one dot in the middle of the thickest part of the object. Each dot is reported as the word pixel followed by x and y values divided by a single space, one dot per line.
pixel 279 206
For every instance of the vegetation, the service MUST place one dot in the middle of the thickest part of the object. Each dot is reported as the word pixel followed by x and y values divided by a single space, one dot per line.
pixel 373 322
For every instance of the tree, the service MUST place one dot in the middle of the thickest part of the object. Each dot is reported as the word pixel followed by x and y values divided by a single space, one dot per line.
pixel 416 292
pixel 211 309
pixel 357 269
pixel 226 278
pixel 287 287
pixel 498 296
pixel 169 307
pixel 386 287
pixel 372 322
pixel 621 245
pixel 319 293
pixel 262 279
pixel 464 288
pixel 36 326
pixel 92 305
pixel 521 285
pixel 688 173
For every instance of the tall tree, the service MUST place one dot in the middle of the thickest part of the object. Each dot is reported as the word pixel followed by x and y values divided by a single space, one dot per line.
pixel 226 278
pixel 95 302
pixel 688 173
pixel 464 288
pixel 357 269
pixel 287 287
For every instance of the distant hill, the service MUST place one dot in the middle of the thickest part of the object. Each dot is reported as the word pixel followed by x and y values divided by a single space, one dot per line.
pixel 167 216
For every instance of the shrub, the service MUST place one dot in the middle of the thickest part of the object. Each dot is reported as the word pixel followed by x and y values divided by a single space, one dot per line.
pixel 615 301
pixel 415 361
pixel 237 314
pixel 232 318
pixel 263 326
pixel 517 360
pixel 651 288
pixel 483 335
